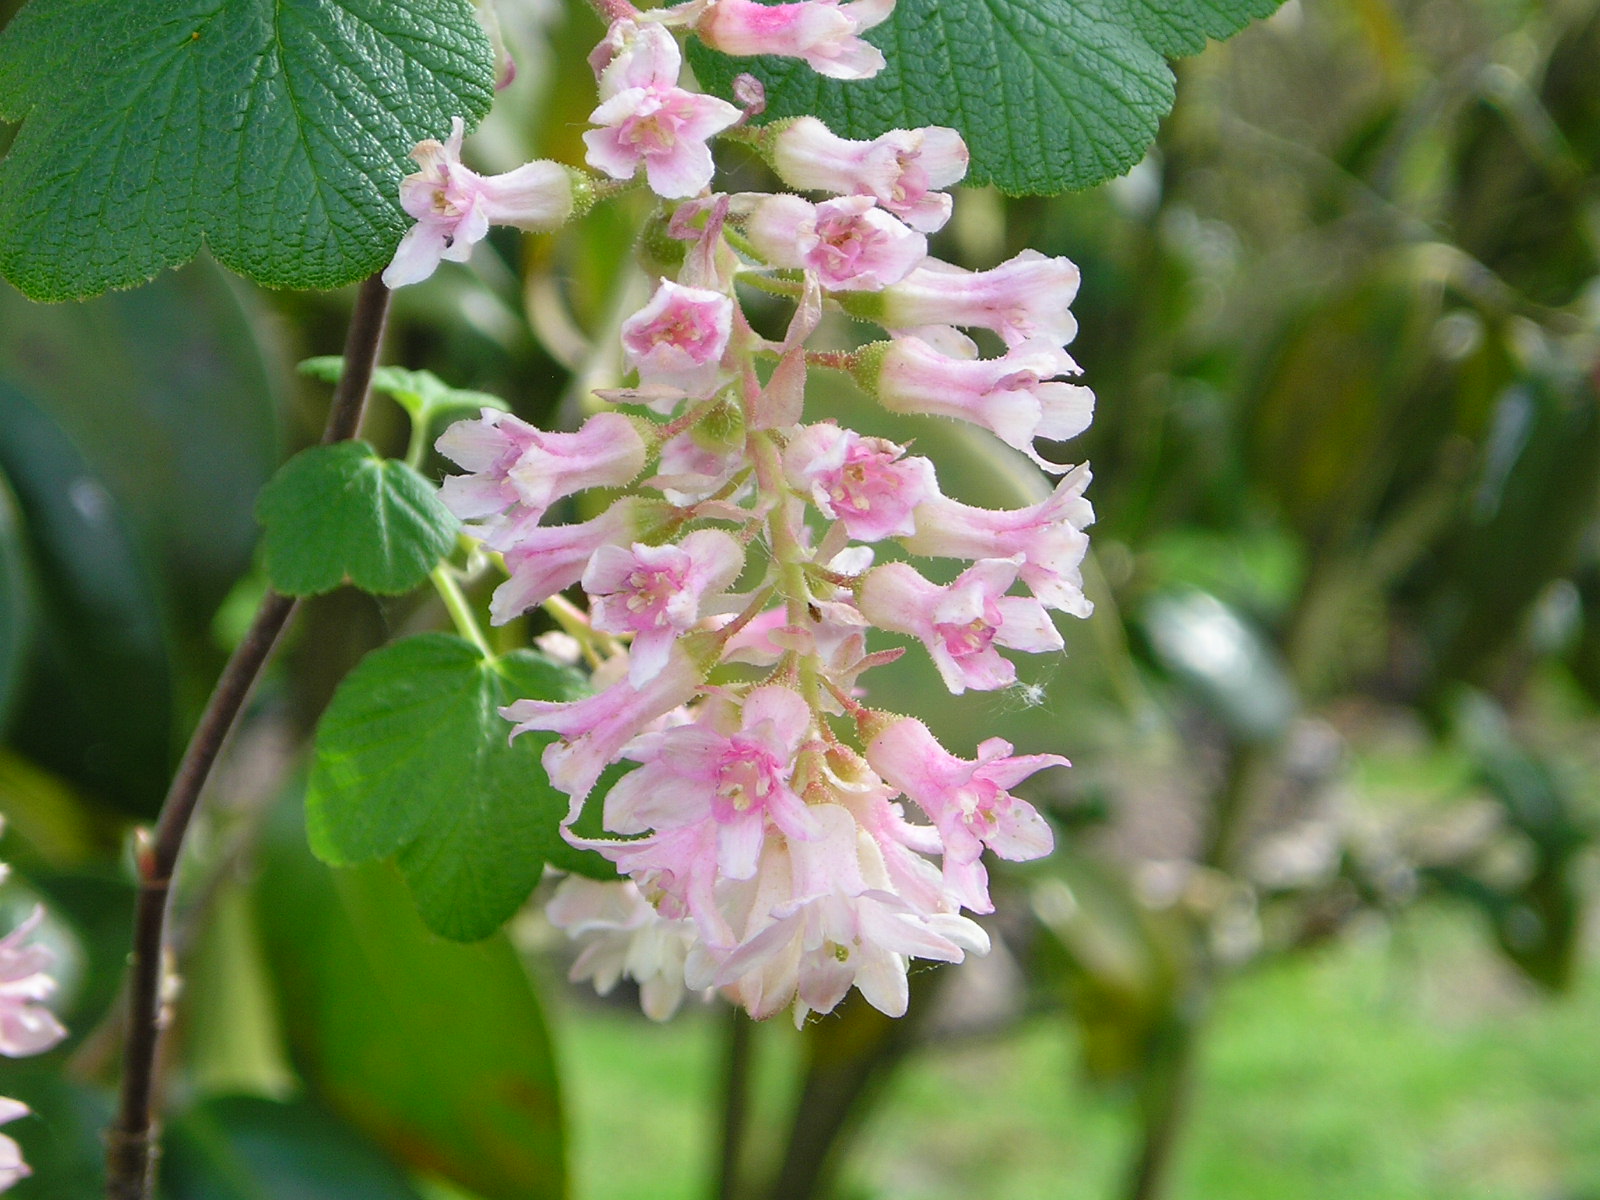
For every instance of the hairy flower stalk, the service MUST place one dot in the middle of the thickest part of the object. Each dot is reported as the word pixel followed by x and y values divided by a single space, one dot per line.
pixel 781 840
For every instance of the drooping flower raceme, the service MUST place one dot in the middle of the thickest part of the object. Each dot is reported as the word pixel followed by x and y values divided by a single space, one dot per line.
pixel 781 840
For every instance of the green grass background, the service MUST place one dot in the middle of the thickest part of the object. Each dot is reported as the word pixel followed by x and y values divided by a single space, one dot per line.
pixel 1406 1065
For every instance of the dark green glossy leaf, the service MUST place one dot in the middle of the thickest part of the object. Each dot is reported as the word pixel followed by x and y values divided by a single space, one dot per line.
pixel 1050 95
pixel 63 1141
pixel 248 1148
pixel 1521 524
pixel 276 131
pixel 173 397
pixel 435 1050
pixel 97 707
pixel 413 759
pixel 342 512
pixel 16 599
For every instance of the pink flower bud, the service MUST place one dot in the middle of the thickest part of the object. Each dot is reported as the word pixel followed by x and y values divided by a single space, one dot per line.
pixel 1013 396
pixel 901 169
pixel 863 482
pixel 969 802
pixel 962 625
pixel 850 244
pixel 678 339
pixel 821 32
pixel 455 206
pixel 1026 296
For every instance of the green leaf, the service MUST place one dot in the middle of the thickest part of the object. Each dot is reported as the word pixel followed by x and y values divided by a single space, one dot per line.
pixel 247 1148
pixel 16 599
pixel 1050 95
pixel 196 387
pixel 274 130
pixel 97 705
pixel 414 759
pixel 437 1051
pixel 423 395
pixel 345 512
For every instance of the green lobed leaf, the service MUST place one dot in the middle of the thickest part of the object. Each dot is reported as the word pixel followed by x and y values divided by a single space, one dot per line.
pixel 276 131
pixel 1051 95
pixel 438 1052
pixel 413 759
pixel 343 511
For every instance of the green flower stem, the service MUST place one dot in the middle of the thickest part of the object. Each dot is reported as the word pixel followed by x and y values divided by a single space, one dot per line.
pixel 460 611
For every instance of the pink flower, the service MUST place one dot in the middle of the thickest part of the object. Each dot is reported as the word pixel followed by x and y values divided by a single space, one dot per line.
pixel 546 558
pixel 738 779
pixel 1047 536
pixel 963 624
pixel 863 482
pixel 1026 296
pixel 455 206
pixel 594 730
pixel 843 928
pixel 622 935
pixel 519 471
pixel 822 32
pixel 901 169
pixel 850 244
pixel 656 593
pixel 1010 396
pixel 26 1025
pixel 678 339
pixel 12 1168
pixel 969 802
pixel 647 120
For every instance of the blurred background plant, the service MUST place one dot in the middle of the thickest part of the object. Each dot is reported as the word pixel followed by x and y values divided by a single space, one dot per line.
pixel 1318 915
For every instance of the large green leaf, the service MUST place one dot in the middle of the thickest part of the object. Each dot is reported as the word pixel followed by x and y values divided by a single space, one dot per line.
pixel 435 1050
pixel 16 598
pixel 345 512
pixel 1050 95
pixel 247 1148
pixel 173 395
pixel 274 130
pixel 414 759
pixel 97 706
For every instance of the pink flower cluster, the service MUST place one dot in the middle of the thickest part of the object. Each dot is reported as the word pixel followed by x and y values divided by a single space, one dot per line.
pixel 732 589
pixel 26 1025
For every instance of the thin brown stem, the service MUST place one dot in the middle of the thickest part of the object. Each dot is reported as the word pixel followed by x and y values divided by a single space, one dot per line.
pixel 133 1137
